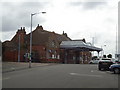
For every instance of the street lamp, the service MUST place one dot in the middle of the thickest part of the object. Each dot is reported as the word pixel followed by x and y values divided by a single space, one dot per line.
pixel 103 50
pixel 32 14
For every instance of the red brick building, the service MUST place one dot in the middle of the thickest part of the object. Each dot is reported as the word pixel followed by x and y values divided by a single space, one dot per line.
pixel 45 47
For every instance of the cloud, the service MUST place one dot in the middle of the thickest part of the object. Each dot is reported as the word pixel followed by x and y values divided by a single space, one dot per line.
pixel 78 18
pixel 92 5
pixel 88 5
pixel 75 3
pixel 16 15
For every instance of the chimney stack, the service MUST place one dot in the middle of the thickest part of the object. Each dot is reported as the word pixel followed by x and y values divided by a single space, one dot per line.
pixel 39 27
pixel 65 34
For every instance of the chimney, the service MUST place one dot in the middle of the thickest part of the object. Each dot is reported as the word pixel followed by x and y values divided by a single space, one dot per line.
pixel 39 27
pixel 23 28
pixel 84 40
pixel 18 31
pixel 65 34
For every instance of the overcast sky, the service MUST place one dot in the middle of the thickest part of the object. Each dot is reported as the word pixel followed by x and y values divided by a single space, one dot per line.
pixel 87 19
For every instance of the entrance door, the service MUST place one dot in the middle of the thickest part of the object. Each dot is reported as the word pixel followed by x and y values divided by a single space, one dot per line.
pixel 77 57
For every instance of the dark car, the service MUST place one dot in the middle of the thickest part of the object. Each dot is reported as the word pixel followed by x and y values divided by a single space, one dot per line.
pixel 104 64
pixel 115 68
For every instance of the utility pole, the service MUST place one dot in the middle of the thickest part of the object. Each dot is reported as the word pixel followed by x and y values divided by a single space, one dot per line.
pixel 116 46
pixel 19 48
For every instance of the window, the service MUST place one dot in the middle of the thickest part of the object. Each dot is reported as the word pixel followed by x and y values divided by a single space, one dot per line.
pixel 58 56
pixel 53 43
pixel 53 56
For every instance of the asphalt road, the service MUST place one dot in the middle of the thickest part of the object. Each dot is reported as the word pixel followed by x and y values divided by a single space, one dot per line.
pixel 61 76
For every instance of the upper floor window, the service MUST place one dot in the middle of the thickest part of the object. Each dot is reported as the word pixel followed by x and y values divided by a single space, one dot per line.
pixel 53 43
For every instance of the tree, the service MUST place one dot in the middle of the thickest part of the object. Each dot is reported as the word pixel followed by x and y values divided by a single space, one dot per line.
pixel 94 57
pixel 109 55
pixel 104 56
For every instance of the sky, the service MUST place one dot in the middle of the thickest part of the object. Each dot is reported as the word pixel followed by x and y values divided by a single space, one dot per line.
pixel 94 20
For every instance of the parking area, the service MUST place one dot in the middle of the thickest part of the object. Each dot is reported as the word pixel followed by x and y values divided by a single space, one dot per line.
pixel 61 76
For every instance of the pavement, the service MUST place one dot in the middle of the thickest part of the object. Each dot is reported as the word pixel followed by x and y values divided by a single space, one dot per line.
pixel 15 66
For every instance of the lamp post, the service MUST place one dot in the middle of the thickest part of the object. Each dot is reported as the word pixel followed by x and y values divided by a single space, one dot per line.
pixel 32 14
pixel 103 50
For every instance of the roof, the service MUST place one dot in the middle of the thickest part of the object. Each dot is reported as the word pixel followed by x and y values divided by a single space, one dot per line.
pixel 8 44
pixel 41 36
pixel 78 45
pixel 80 40
pixel 61 38
pixel 38 37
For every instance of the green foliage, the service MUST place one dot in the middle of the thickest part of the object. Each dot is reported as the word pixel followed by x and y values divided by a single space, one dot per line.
pixel 109 55
pixel 94 57
pixel 104 56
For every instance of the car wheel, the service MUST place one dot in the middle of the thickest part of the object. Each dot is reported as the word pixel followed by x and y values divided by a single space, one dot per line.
pixel 99 68
pixel 116 71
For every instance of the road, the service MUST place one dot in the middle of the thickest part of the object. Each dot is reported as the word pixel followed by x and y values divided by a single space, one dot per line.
pixel 61 76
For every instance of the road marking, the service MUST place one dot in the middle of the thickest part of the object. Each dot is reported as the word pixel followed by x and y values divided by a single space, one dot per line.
pixel 98 71
pixel 91 70
pixel 13 68
pixel 77 74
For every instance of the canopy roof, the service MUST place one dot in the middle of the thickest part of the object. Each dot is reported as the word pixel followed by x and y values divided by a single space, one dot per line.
pixel 78 45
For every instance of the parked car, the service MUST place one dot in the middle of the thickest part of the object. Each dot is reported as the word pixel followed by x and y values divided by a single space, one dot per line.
pixel 104 63
pixel 115 68
pixel 114 60
pixel 94 62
